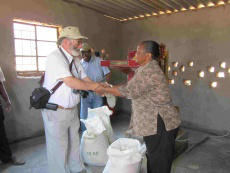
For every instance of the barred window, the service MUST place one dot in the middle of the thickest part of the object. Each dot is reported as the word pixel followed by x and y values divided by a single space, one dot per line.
pixel 33 42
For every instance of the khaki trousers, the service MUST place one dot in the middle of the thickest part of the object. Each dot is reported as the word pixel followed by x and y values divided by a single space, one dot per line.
pixel 62 140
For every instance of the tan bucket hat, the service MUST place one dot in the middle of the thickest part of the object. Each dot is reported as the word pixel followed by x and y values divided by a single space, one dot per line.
pixel 70 32
pixel 85 47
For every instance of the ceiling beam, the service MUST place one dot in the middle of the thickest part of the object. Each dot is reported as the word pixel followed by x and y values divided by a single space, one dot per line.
pixel 144 6
pixel 153 5
pixel 204 2
pixel 182 3
pixel 126 7
pixel 96 8
pixel 110 6
pixel 171 4
pixel 141 11
pixel 215 1
pixel 193 3
pixel 162 4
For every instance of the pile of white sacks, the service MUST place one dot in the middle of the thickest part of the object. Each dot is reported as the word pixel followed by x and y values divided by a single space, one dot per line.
pixel 99 148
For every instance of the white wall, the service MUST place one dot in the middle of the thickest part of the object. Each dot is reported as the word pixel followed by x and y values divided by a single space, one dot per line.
pixel 203 37
pixel 102 33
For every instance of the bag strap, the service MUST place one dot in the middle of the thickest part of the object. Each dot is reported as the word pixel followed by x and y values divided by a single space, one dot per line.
pixel 70 69
pixel 71 64
pixel 56 87
pixel 41 81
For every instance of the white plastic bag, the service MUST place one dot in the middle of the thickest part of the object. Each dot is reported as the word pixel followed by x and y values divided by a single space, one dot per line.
pixel 111 100
pixel 127 168
pixel 104 114
pixel 94 125
pixel 93 148
pixel 125 156
pixel 94 142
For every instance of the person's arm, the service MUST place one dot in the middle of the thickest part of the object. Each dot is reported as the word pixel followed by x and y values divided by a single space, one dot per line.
pixel 108 76
pixel 106 89
pixel 107 73
pixel 140 84
pixel 78 84
pixel 114 91
pixel 63 74
pixel 5 96
pixel 87 79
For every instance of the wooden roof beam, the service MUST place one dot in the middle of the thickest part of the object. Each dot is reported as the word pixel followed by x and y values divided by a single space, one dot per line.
pixel 110 6
pixel 163 5
pixel 122 4
pixel 182 3
pixel 97 8
pixel 133 6
pixel 144 6
pixel 153 5
pixel 171 4
pixel 193 3
pixel 215 1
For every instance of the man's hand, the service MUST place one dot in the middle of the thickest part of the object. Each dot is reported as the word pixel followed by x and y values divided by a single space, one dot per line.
pixel 100 90
pixel 8 106
pixel 106 85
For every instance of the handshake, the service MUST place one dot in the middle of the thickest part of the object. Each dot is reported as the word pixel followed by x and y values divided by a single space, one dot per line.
pixel 101 89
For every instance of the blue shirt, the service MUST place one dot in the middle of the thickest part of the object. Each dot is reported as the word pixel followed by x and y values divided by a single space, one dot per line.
pixel 94 70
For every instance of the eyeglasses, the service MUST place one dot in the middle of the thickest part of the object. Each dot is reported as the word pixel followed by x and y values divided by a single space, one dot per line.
pixel 77 42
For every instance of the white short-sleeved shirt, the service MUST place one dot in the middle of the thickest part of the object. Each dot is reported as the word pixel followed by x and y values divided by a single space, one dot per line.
pixel 57 67
pixel 2 78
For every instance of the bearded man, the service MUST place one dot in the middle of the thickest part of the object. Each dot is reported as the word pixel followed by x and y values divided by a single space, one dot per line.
pixel 62 125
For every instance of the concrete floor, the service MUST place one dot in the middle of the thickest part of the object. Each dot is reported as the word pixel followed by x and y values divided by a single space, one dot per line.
pixel 212 156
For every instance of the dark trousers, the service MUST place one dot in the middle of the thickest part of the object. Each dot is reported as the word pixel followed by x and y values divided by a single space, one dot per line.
pixel 5 152
pixel 160 148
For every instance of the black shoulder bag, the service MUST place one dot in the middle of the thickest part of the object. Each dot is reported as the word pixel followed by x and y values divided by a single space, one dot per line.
pixel 40 96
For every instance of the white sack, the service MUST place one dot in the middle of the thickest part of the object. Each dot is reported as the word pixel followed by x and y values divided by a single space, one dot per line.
pixel 127 168
pixel 93 148
pixel 125 156
pixel 104 114
pixel 94 125
pixel 111 100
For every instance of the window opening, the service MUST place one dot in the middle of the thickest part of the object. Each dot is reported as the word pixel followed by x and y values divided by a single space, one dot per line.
pixel 33 42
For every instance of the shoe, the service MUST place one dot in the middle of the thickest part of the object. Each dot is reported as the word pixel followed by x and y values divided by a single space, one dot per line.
pixel 16 161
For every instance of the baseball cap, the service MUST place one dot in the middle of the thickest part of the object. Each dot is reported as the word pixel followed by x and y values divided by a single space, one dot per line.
pixel 85 47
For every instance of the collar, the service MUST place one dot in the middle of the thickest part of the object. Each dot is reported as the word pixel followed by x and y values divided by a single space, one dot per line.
pixel 70 57
pixel 92 59
pixel 151 63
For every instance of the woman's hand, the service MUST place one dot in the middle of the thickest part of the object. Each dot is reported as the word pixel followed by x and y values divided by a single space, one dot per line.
pixel 100 90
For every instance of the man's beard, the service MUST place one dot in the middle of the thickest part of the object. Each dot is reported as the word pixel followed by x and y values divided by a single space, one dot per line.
pixel 74 51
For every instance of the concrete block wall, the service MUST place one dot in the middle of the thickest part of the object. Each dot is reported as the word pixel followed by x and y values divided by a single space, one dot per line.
pixel 201 36
pixel 102 32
